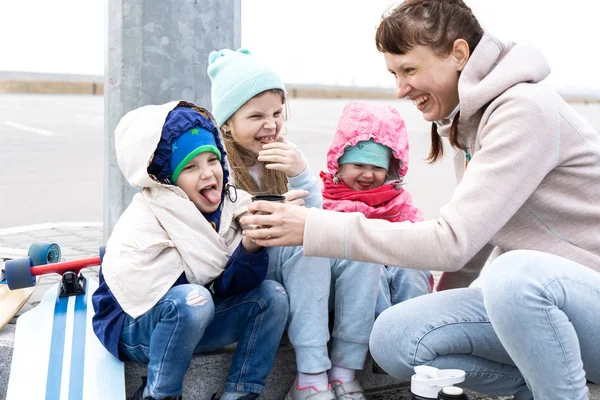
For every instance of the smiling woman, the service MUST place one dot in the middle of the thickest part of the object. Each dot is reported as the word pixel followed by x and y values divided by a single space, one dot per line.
pixel 528 183
pixel 426 78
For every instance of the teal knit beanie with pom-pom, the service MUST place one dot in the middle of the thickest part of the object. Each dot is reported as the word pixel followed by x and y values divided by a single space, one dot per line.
pixel 236 77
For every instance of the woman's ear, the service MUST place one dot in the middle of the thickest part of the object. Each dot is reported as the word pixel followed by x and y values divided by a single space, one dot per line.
pixel 460 53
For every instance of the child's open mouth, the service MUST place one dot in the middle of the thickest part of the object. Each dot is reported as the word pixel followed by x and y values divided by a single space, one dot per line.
pixel 266 139
pixel 211 194
pixel 364 185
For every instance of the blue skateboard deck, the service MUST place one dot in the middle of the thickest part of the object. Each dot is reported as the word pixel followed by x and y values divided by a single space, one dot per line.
pixel 57 355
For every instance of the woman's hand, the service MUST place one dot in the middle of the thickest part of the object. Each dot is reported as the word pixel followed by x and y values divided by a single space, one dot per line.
pixel 282 156
pixel 295 197
pixel 282 225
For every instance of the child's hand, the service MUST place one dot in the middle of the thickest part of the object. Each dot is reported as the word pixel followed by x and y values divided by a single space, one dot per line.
pixel 296 197
pixel 282 156
pixel 249 245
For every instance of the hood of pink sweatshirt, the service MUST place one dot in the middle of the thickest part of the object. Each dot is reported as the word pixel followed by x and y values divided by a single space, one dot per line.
pixel 494 68
pixel 361 121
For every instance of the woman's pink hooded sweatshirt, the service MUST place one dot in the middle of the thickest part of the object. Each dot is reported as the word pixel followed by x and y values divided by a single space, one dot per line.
pixel 363 121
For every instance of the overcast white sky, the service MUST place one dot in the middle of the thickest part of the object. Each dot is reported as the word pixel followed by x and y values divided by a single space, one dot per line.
pixel 307 41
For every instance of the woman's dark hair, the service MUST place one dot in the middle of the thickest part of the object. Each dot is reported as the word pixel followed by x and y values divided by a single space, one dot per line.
pixel 436 24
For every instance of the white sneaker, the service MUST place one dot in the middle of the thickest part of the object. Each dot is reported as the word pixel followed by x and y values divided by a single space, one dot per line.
pixel 348 391
pixel 307 393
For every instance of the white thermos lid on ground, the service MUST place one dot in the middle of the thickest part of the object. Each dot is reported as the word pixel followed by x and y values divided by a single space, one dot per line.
pixel 428 381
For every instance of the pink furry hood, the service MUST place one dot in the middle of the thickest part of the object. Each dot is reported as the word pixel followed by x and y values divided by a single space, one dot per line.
pixel 382 123
pixel 364 120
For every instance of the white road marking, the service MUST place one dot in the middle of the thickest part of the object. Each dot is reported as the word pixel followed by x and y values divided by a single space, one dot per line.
pixel 39 131
pixel 48 225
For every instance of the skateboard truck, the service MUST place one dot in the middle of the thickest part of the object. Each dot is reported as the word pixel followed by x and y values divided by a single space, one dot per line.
pixel 21 273
pixel 72 284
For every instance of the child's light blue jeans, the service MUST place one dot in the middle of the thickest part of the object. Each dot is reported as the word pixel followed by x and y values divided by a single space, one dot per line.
pixel 307 281
pixel 532 331
pixel 354 289
pixel 315 286
pixel 400 284
pixel 187 320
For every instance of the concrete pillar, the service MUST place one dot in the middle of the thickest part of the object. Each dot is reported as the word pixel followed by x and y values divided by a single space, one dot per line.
pixel 157 51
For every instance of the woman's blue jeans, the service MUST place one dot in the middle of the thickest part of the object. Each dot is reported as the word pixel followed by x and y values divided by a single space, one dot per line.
pixel 531 331
pixel 187 320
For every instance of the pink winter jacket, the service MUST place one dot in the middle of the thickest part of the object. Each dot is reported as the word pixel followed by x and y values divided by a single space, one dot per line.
pixel 361 121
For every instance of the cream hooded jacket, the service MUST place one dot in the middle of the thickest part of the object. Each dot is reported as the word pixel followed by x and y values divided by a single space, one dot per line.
pixel 161 234
pixel 533 181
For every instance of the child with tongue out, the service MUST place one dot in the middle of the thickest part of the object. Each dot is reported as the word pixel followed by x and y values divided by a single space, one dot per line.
pixel 178 277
